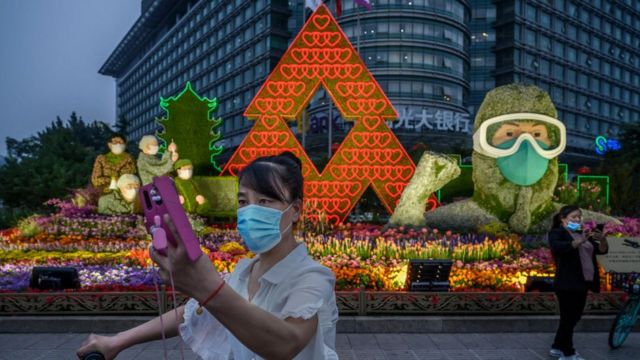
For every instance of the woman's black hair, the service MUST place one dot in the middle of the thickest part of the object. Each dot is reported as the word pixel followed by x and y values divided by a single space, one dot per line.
pixel 117 135
pixel 278 177
pixel 562 214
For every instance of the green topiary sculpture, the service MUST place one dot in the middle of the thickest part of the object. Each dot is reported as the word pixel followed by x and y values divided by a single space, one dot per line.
pixel 189 125
pixel 515 189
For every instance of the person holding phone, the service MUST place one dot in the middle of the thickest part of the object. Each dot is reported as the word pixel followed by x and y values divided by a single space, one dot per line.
pixel 574 254
pixel 278 305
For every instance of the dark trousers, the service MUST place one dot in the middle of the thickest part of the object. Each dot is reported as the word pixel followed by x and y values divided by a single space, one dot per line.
pixel 571 304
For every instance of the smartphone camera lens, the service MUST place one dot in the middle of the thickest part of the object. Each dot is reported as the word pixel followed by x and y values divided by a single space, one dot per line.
pixel 155 196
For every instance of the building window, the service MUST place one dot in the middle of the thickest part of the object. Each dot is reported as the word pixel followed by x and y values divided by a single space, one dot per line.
pixel 582 123
pixel 584 15
pixel 545 42
pixel 583 81
pixel 571 76
pixel 606 68
pixel 593 125
pixel 557 95
pixel 545 19
pixel 530 37
pixel 558 71
pixel 605 108
pixel 571 31
pixel 260 47
pixel 606 25
pixel 544 67
pixel 558 25
pixel 616 72
pixel 588 61
pixel 594 84
pixel 570 120
pixel 584 37
pixel 570 98
pixel 595 21
pixel 571 54
pixel 558 48
pixel 572 10
pixel 260 70
pixel 530 13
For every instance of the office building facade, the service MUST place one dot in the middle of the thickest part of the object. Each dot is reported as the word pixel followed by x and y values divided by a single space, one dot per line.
pixel 585 54
pixel 481 52
pixel 435 59
pixel 225 48
pixel 418 52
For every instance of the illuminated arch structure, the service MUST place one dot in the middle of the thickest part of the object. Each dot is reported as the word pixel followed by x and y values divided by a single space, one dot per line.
pixel 321 54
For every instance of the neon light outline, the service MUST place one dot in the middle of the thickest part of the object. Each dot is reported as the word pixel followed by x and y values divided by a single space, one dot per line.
pixel 212 105
pixel 370 115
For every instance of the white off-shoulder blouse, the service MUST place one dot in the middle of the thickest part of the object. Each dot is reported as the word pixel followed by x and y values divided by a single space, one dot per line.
pixel 296 287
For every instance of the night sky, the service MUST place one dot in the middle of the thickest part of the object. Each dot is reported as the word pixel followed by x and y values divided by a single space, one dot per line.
pixel 50 53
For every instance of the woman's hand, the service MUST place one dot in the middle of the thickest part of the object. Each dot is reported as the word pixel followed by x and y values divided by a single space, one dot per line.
pixel 598 236
pixel 106 345
pixel 602 241
pixel 604 245
pixel 196 280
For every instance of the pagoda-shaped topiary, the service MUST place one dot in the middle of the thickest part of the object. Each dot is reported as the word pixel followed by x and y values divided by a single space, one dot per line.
pixel 189 125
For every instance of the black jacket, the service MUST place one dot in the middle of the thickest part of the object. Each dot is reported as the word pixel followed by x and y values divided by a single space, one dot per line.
pixel 569 276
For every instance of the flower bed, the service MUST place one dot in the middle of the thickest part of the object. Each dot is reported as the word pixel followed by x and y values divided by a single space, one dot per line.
pixel 111 253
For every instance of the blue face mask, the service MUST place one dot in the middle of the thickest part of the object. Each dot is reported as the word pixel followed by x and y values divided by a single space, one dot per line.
pixel 525 167
pixel 259 227
pixel 573 226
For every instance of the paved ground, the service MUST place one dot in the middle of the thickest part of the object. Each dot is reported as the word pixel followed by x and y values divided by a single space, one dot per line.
pixel 593 346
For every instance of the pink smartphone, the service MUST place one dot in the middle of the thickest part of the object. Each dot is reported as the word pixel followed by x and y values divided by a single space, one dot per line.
pixel 158 198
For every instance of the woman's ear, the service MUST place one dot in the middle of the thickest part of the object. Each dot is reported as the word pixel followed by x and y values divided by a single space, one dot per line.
pixel 297 210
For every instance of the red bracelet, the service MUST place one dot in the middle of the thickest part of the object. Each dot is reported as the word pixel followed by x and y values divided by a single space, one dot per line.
pixel 213 294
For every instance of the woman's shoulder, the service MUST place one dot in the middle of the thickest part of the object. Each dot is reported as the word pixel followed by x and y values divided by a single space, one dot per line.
pixel 308 268
pixel 314 266
pixel 243 264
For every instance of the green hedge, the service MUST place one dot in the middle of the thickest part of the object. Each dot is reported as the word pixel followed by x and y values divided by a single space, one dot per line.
pixel 221 193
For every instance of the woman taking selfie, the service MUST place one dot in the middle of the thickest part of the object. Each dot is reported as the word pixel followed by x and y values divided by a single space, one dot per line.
pixel 574 254
pixel 278 305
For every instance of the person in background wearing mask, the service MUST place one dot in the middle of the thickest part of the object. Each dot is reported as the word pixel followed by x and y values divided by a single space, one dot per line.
pixel 278 305
pixel 190 196
pixel 574 254
pixel 123 201
pixel 109 167
pixel 149 165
